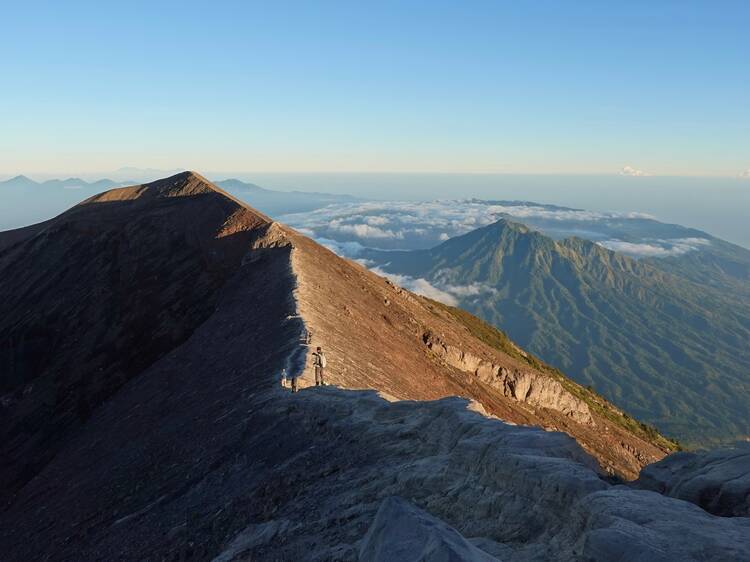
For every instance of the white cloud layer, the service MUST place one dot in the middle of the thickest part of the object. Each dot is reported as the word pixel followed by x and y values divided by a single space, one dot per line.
pixel 363 230
pixel 349 228
pixel 745 175
pixel 437 289
pixel 656 248
pixel 431 221
pixel 630 171
pixel 419 286
pixel 345 249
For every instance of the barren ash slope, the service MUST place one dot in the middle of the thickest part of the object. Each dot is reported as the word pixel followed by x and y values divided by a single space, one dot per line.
pixel 143 334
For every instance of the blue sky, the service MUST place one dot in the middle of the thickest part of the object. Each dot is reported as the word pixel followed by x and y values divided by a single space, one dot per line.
pixel 517 87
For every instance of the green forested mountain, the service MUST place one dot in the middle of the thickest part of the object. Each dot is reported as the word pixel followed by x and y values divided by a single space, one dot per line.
pixel 670 350
pixel 722 265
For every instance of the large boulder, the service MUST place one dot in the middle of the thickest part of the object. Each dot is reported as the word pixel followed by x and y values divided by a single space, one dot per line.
pixel 718 480
pixel 401 532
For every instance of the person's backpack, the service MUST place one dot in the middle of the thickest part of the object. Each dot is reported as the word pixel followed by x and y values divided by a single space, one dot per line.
pixel 322 359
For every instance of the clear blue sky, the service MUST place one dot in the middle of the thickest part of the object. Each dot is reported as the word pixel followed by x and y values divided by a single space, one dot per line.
pixel 520 87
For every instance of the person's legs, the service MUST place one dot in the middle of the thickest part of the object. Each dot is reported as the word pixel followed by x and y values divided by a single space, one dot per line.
pixel 322 373
pixel 318 381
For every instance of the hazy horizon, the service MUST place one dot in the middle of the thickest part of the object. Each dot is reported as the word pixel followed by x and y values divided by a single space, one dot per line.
pixel 625 107
pixel 717 206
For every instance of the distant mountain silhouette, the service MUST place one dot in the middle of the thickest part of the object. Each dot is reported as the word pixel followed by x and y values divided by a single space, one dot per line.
pixel 26 182
pixel 18 181
pixel 27 200
pixel 276 203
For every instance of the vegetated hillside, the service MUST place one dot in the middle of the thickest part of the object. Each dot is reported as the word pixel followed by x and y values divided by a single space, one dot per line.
pixel 672 352
pixel 722 266
pixel 188 447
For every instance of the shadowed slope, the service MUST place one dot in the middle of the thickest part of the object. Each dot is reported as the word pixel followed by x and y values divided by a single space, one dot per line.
pixel 94 296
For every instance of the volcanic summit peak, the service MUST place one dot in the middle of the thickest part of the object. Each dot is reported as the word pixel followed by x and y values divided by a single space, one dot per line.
pixel 184 184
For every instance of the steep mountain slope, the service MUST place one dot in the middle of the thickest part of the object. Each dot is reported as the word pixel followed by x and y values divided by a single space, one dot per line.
pixel 672 352
pixel 128 275
pixel 93 297
pixel 201 454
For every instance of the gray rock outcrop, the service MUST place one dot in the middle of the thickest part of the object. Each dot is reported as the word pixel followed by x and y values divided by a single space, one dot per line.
pixel 718 481
pixel 523 386
pixel 402 532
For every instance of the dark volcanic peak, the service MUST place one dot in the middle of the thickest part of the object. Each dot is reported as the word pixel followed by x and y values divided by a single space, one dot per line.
pixel 122 278
pixel 185 184
pixel 179 185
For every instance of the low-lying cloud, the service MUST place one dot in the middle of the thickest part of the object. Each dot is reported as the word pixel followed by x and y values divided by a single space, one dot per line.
pixel 419 286
pixel 345 249
pixel 410 225
pixel 656 248
pixel 437 289
pixel 363 230
pixel 634 172
pixel 404 225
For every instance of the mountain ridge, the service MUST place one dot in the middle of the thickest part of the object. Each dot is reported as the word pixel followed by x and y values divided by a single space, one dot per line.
pixel 118 237
pixel 201 453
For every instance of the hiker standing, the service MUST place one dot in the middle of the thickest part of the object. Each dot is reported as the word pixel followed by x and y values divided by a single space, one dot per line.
pixel 319 361
pixel 290 379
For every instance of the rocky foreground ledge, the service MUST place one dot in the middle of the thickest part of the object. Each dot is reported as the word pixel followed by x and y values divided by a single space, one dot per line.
pixel 718 481
pixel 398 481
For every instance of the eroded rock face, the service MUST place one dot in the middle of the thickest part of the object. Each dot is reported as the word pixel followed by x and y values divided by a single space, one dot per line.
pixel 717 481
pixel 524 386
pixel 401 532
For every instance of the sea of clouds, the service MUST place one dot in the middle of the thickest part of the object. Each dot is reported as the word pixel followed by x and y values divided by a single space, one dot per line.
pixel 350 228
pixel 410 225
pixel 656 248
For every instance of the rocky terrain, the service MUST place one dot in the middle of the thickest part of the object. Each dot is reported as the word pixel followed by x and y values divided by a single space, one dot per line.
pixel 717 481
pixel 144 334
